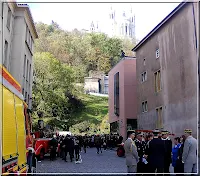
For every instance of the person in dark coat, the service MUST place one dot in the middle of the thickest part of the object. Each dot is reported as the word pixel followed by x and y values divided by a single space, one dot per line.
pixel 149 138
pixel 69 147
pixel 77 148
pixel 98 143
pixel 85 143
pixel 141 151
pixel 179 163
pixel 155 153
pixel 53 146
pixel 168 150
pixel 176 163
pixel 62 147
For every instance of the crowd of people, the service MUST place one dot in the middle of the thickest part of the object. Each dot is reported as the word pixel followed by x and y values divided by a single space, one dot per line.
pixel 145 153
pixel 72 145
pixel 155 152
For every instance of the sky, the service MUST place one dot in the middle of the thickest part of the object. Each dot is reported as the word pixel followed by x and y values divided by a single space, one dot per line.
pixel 80 15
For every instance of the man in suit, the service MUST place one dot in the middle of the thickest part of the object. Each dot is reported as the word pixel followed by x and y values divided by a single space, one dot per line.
pixel 155 153
pixel 189 156
pixel 168 150
pixel 131 153
pixel 141 151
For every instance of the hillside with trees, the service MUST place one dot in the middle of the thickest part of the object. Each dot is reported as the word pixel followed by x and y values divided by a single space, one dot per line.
pixel 61 60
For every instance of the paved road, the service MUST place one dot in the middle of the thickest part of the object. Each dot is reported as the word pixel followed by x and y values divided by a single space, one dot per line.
pixel 107 162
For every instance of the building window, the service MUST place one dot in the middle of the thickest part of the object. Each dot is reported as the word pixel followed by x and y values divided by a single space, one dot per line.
pixel 31 44
pixel 26 33
pixel 116 94
pixel 28 100
pixel 9 18
pixel 126 29
pixel 24 73
pixel 144 76
pixel 144 61
pixel 25 97
pixel 144 106
pixel 159 117
pixel 27 65
pixel 30 76
pixel 157 78
pixel 157 54
pixel 5 54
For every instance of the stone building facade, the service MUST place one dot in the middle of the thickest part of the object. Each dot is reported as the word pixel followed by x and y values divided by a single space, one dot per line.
pixel 167 73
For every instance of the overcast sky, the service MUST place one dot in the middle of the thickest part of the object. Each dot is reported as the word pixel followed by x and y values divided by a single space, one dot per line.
pixel 80 15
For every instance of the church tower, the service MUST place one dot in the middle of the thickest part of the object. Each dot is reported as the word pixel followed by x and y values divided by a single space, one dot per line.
pixel 113 22
pixel 132 26
pixel 92 27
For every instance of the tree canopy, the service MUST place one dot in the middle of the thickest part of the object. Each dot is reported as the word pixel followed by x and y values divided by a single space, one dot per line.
pixel 61 60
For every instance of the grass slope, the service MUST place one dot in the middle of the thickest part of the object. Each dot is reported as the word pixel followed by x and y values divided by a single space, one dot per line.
pixel 94 114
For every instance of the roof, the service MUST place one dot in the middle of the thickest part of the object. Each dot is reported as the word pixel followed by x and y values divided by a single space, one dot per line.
pixel 122 59
pixel 91 78
pixel 164 21
pixel 26 7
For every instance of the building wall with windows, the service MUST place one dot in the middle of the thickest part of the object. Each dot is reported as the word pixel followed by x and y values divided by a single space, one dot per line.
pixel 8 23
pixel 19 34
pixel 122 95
pixel 167 92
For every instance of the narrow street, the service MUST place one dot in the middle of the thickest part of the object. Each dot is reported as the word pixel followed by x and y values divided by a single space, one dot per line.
pixel 107 162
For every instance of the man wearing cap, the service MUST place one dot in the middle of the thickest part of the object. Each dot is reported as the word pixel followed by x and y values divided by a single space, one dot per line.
pixel 189 156
pixel 168 150
pixel 141 151
pixel 131 153
pixel 155 152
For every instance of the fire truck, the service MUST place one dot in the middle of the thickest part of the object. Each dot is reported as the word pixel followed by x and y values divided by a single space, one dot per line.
pixel 16 126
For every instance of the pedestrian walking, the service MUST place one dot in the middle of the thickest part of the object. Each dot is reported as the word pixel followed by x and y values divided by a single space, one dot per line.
pixel 189 157
pixel 141 151
pixel 168 150
pixel 155 153
pixel 131 153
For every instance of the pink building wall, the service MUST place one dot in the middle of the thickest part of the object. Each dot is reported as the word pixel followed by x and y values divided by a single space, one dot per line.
pixel 127 93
